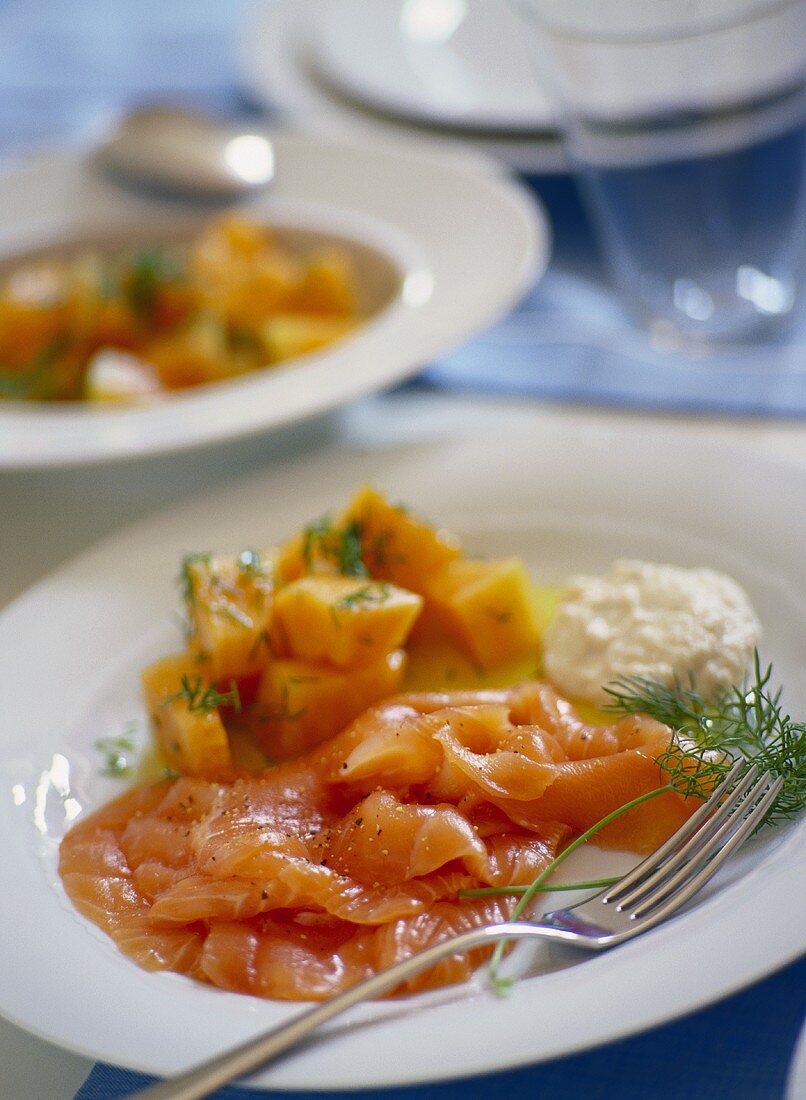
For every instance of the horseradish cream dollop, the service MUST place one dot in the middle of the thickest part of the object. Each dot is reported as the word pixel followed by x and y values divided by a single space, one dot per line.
pixel 656 621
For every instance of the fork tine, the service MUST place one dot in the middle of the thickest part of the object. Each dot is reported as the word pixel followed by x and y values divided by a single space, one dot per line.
pixel 682 854
pixel 677 890
pixel 648 865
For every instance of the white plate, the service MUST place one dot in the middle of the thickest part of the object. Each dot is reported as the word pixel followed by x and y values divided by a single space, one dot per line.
pixel 279 62
pixel 565 500
pixel 457 63
pixel 443 244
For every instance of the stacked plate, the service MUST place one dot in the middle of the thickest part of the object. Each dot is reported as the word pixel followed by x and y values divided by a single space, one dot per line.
pixel 457 72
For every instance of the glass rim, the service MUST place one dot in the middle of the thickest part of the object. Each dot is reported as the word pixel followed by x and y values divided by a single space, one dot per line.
pixel 672 31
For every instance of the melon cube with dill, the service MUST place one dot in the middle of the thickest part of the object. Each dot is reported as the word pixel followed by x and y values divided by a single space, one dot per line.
pixel 322 547
pixel 345 621
pixel 397 546
pixel 185 706
pixel 487 607
pixel 229 605
pixel 302 703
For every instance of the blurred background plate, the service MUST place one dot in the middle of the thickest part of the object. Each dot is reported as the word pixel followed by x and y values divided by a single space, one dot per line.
pixel 455 241
pixel 456 63
pixel 281 57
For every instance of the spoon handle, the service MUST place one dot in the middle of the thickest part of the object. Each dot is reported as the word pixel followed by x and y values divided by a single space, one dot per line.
pixel 254 1053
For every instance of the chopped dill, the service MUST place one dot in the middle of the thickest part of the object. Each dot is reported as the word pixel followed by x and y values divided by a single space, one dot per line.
pixel 365 596
pixel 341 546
pixel 263 638
pixel 250 564
pixel 203 699
pixel 117 752
pixel 36 380
pixel 313 536
pixel 264 713
pixel 150 270
pixel 348 552
pixel 185 579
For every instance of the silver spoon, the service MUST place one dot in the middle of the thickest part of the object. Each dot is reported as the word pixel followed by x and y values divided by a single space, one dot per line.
pixel 173 149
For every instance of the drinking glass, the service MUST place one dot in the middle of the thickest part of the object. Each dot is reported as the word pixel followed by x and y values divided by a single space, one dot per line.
pixel 685 121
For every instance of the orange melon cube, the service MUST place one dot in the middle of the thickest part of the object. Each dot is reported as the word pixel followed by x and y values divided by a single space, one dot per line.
pixel 346 621
pixel 228 237
pixel 323 547
pixel 487 608
pixel 191 355
pixel 187 722
pixel 252 296
pixel 397 546
pixel 229 605
pixel 327 287
pixel 27 329
pixel 287 334
pixel 294 558
pixel 302 703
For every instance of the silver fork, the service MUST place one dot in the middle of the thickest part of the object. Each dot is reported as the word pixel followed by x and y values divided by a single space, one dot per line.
pixel 644 897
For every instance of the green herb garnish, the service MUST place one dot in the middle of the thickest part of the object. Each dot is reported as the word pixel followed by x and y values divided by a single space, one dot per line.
pixel 339 545
pixel 546 888
pixel 36 381
pixel 149 271
pixel 203 699
pixel 116 752
pixel 365 596
pixel 747 721
pixel 264 713
pixel 250 564
pixel 502 985
pixel 263 638
pixel 185 579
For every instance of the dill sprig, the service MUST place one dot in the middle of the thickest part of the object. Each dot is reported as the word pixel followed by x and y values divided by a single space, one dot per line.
pixel 250 564
pixel 36 381
pixel 186 580
pixel 117 752
pixel 365 596
pixel 339 545
pixel 204 698
pixel 264 712
pixel 149 271
pixel 502 985
pixel 746 721
pixel 545 888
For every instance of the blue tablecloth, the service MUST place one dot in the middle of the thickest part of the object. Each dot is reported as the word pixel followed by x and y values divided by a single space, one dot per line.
pixel 66 69
pixel 739 1049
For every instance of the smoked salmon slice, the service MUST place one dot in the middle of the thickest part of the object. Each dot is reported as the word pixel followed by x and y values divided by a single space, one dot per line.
pixel 301 880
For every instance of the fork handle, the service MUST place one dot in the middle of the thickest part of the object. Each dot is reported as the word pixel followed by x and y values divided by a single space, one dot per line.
pixel 249 1056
